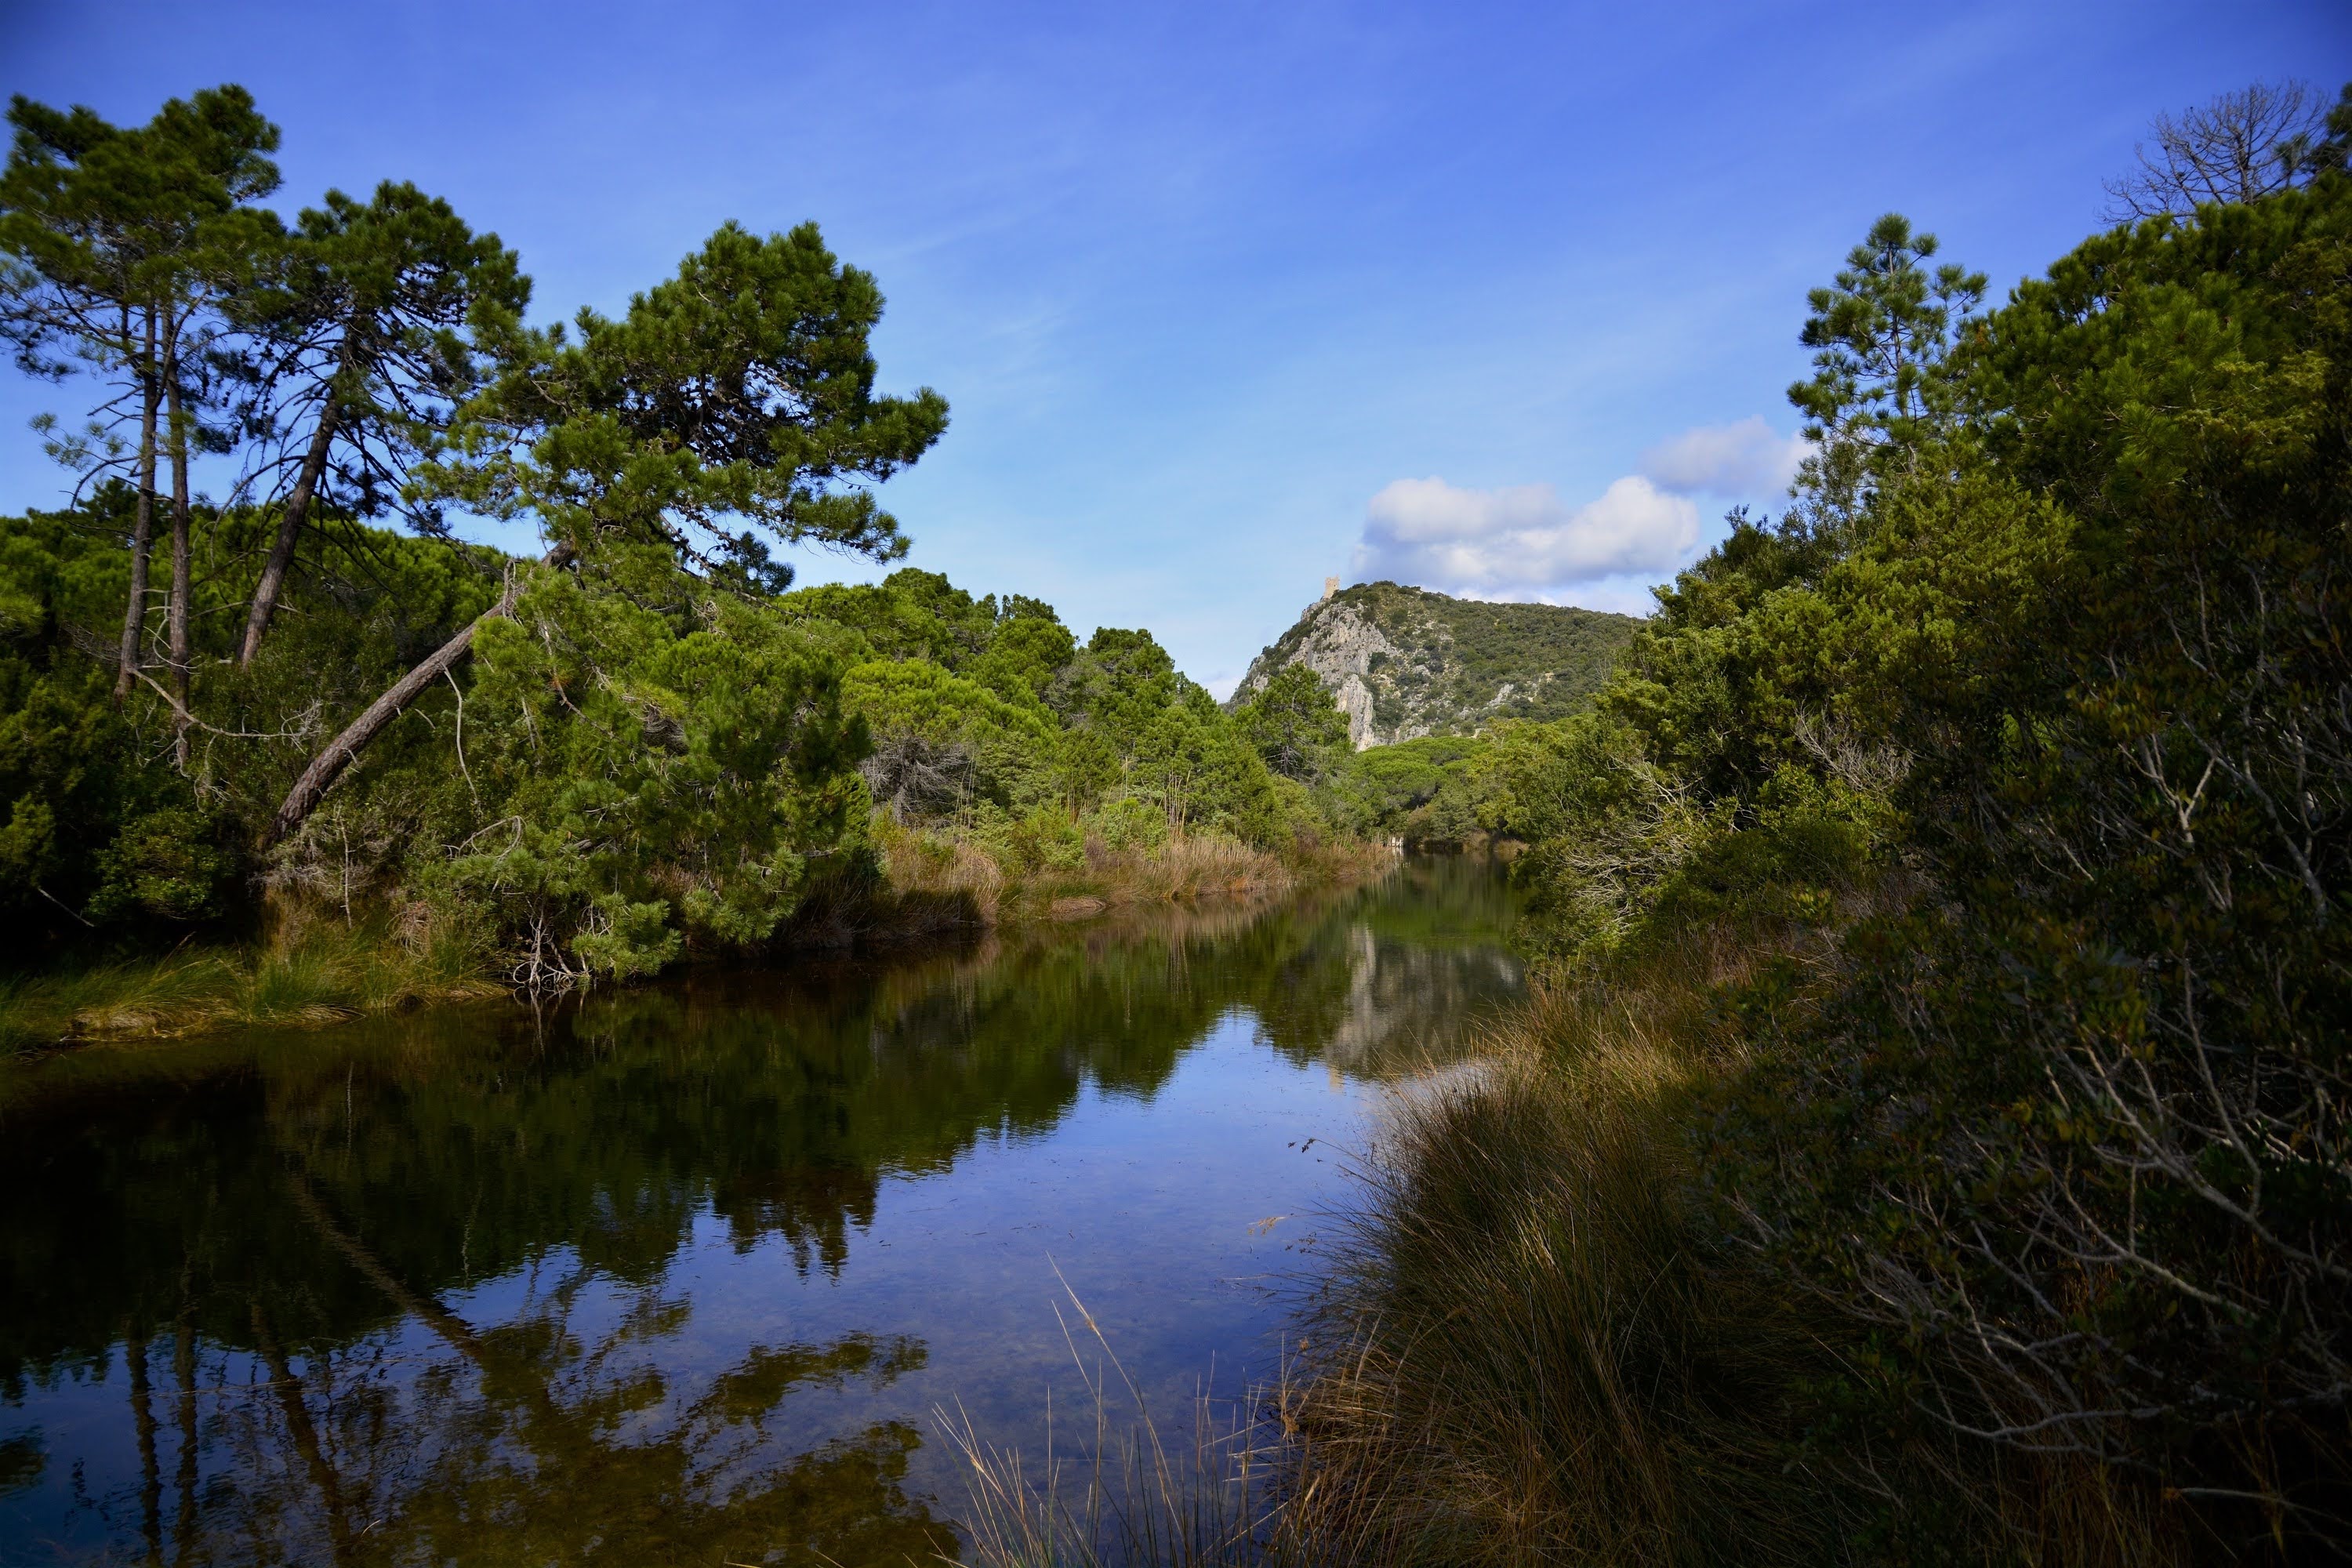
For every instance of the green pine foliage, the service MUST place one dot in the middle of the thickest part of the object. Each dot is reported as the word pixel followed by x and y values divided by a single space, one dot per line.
pixel 1294 725
pixel 97 831
pixel 1426 792
pixel 625 773
pixel 1040 748
pixel 111 841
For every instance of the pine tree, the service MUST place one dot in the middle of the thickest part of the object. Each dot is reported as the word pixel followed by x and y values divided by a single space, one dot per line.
pixel 370 331
pixel 732 405
pixel 1294 724
pixel 1881 334
pixel 121 246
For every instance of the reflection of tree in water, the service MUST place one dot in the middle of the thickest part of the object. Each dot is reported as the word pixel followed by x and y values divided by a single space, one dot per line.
pixel 264 1232
pixel 532 1441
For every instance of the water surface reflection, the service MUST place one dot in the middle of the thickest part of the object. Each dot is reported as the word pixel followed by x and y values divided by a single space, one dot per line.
pixel 678 1273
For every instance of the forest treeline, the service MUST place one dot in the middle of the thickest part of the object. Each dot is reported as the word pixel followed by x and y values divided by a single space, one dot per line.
pixel 221 714
pixel 1932 1145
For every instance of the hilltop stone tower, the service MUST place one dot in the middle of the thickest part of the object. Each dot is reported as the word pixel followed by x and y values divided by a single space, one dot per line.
pixel 1330 586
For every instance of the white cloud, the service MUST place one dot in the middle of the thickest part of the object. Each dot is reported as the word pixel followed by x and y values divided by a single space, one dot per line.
pixel 1746 459
pixel 1522 539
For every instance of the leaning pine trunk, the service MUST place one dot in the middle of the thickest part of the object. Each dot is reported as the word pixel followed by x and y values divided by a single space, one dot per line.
pixel 142 532
pixel 289 528
pixel 329 766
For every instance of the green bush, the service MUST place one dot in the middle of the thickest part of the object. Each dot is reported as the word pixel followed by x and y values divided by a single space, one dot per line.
pixel 1127 824
pixel 2025 737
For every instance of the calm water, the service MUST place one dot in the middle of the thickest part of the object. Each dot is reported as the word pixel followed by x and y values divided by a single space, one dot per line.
pixel 683 1275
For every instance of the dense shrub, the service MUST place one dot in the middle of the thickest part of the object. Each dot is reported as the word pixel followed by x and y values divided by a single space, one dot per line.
pixel 2029 743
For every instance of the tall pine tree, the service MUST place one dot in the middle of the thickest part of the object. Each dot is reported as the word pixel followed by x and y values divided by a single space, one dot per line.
pixel 730 407
pixel 370 334
pixel 124 245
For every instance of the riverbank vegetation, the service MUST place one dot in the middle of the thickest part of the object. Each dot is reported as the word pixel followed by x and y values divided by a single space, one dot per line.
pixel 1931 1144
pixel 234 721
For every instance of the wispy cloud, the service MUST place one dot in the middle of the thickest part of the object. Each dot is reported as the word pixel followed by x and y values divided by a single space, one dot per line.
pixel 1521 539
pixel 1747 457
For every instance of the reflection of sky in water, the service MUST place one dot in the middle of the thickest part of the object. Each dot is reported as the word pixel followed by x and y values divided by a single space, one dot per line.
pixel 686 1275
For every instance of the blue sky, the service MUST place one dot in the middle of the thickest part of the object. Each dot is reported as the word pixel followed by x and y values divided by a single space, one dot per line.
pixel 1230 297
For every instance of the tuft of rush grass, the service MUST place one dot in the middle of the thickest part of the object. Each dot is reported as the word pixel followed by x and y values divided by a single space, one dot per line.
pixel 1525 1354
pixel 123 998
pixel 1536 1346
pixel 1126 1494
pixel 1202 864
pixel 320 973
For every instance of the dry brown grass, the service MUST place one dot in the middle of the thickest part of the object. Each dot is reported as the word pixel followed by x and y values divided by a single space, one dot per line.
pixel 1202 865
pixel 1195 866
pixel 950 868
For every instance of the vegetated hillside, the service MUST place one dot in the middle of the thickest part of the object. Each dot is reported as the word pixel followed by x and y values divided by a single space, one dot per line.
pixel 1404 662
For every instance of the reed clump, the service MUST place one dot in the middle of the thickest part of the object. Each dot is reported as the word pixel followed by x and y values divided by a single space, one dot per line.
pixel 308 972
pixel 1531 1348
pixel 994 884
pixel 1121 1491
pixel 1544 1340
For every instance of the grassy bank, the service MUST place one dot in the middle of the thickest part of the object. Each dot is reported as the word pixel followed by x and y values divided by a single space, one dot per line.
pixel 323 975
pixel 1545 1340
pixel 1009 887
pixel 1542 1339
pixel 317 971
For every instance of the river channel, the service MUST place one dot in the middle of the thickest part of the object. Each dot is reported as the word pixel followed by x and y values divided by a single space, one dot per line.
pixel 687 1274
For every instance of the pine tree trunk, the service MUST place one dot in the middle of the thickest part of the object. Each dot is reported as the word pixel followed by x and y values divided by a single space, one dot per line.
pixel 184 1367
pixel 175 611
pixel 424 1307
pixel 143 1422
pixel 289 530
pixel 329 764
pixel 142 532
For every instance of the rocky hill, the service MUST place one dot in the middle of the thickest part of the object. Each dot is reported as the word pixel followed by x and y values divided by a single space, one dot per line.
pixel 1405 662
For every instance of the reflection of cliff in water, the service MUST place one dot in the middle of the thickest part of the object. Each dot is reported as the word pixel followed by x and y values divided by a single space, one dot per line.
pixel 1394 984
pixel 1406 1007
pixel 243 1253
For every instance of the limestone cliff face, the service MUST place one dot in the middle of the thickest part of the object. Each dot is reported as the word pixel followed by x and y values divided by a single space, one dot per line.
pixel 1404 662
pixel 1340 646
